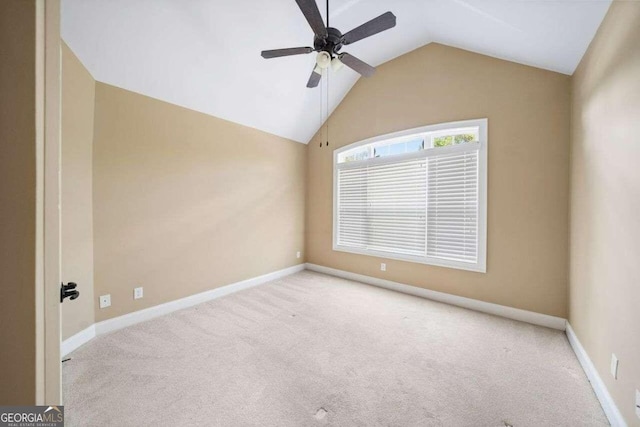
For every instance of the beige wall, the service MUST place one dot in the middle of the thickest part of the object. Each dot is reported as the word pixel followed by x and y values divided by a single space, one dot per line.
pixel 605 203
pixel 78 93
pixel 185 202
pixel 528 170
pixel 17 202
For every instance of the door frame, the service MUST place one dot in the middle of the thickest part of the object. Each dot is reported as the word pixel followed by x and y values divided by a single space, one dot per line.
pixel 48 124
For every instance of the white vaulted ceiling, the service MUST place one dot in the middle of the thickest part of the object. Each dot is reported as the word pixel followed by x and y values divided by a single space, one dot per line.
pixel 205 54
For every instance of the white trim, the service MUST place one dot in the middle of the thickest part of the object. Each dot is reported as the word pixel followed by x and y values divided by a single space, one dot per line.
pixel 606 401
pixel 482 147
pixel 129 319
pixel 412 132
pixel 41 339
pixel 483 163
pixel 110 325
pixel 49 17
pixel 75 341
pixel 482 306
pixel 426 153
pixel 458 265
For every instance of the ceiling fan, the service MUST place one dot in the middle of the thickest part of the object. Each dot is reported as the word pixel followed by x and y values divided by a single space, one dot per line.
pixel 328 41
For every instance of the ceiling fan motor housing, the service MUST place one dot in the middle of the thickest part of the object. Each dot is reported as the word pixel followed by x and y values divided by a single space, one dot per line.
pixel 331 44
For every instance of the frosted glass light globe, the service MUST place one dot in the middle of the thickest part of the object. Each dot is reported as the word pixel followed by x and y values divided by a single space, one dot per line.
pixel 323 60
pixel 336 64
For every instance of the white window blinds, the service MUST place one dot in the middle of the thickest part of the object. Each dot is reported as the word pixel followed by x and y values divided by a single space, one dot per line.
pixel 452 206
pixel 382 207
pixel 427 205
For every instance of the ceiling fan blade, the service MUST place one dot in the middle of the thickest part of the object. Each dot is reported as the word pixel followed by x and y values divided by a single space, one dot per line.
pixel 357 65
pixel 275 53
pixel 314 79
pixel 310 11
pixel 376 25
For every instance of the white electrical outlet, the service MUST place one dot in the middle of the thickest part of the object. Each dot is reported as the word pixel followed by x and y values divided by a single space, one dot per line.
pixel 298 254
pixel 614 366
pixel 638 403
pixel 137 293
pixel 383 266
pixel 105 301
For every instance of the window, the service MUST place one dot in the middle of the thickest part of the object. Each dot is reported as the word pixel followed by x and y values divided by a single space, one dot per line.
pixel 417 195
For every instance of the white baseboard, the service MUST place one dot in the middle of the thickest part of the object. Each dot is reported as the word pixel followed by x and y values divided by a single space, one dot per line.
pixel 608 405
pixel 129 319
pixel 485 307
pixel 77 340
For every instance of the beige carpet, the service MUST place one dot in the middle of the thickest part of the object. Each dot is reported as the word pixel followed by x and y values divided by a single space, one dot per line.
pixel 314 350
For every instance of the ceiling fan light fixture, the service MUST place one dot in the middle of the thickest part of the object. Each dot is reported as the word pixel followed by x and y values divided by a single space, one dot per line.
pixel 328 41
pixel 336 64
pixel 323 59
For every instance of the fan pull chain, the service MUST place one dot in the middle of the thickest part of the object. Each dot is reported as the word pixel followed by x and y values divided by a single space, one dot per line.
pixel 327 142
pixel 328 72
pixel 321 113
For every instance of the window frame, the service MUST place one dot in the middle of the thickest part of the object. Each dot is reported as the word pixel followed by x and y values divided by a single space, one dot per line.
pixel 482 148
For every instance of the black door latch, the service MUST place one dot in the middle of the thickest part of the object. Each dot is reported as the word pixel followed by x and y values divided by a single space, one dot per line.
pixel 68 291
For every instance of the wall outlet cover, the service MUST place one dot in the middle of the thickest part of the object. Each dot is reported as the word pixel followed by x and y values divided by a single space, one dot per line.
pixel 105 301
pixel 138 293
pixel 614 366
pixel 298 254
pixel 383 267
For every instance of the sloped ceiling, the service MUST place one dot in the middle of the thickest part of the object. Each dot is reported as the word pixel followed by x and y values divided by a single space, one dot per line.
pixel 205 54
